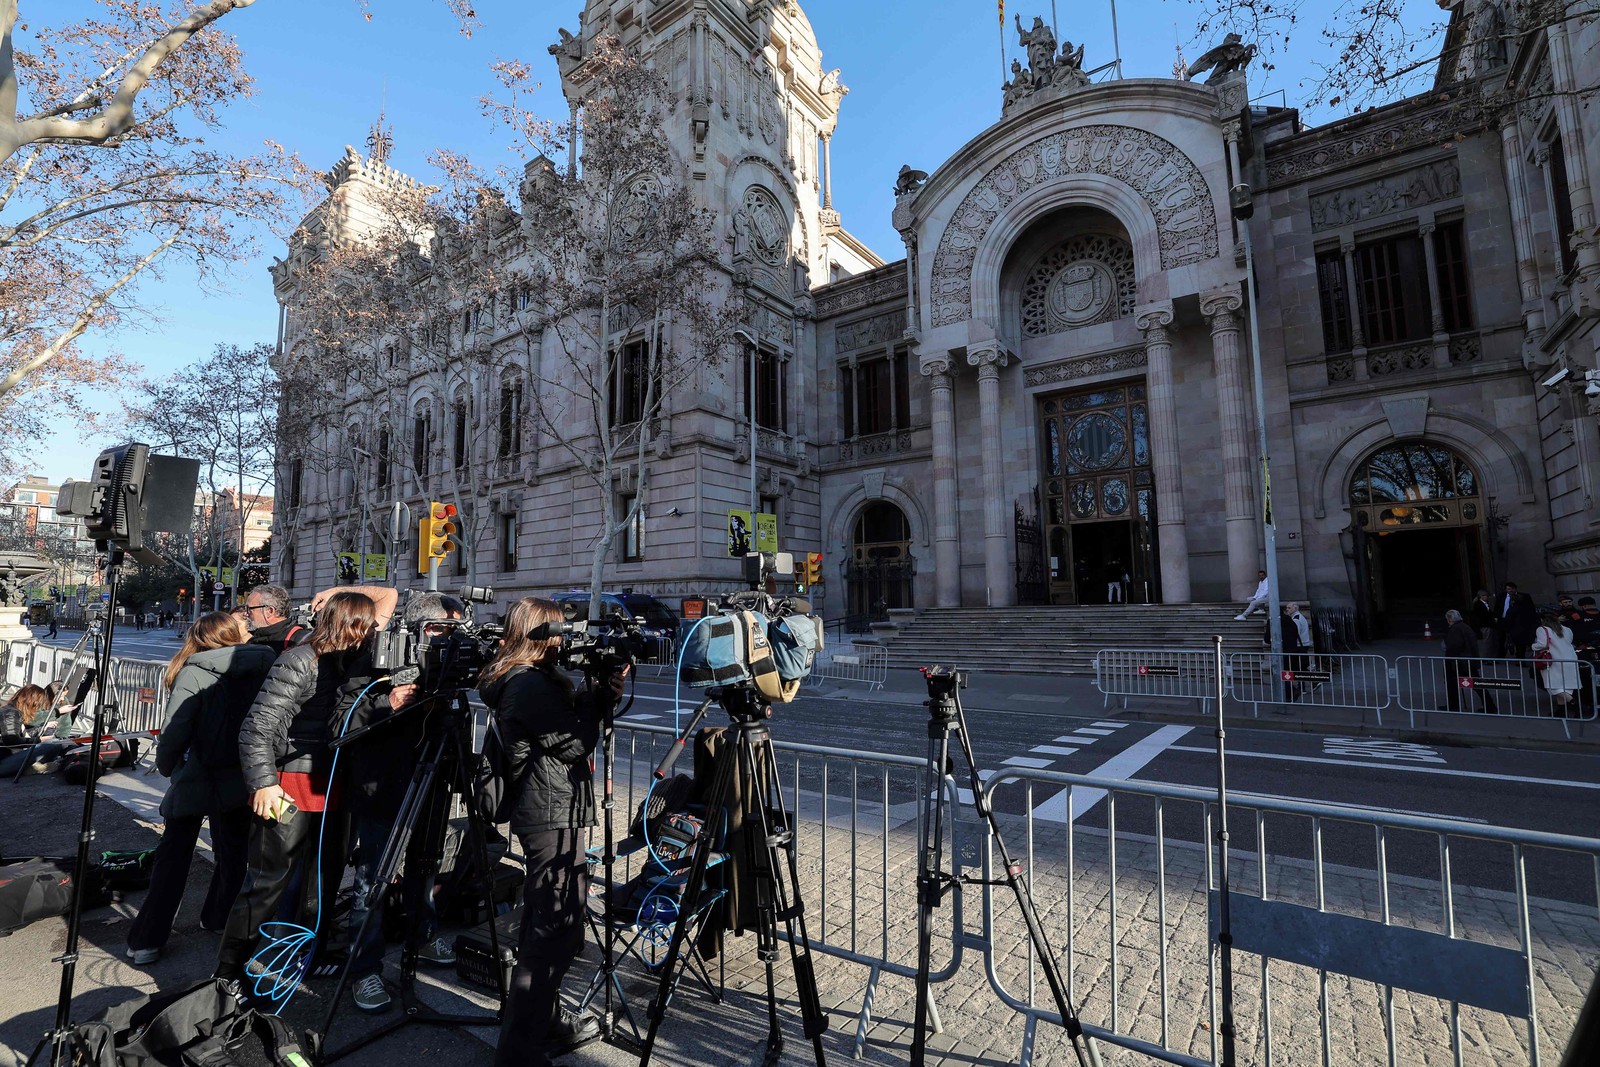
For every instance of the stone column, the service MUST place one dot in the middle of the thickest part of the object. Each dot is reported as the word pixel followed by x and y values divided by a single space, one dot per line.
pixel 1511 151
pixel 1221 306
pixel 1167 459
pixel 1570 118
pixel 1430 256
pixel 1358 338
pixel 946 523
pixel 827 171
pixel 998 579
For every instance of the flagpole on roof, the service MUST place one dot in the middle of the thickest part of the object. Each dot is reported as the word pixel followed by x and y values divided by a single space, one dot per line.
pixel 1116 47
pixel 1055 24
pixel 1003 71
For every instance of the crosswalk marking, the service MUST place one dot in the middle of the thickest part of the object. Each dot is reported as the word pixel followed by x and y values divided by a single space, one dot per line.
pixel 1054 750
pixel 1028 762
pixel 1124 764
pixel 1092 732
pixel 1112 725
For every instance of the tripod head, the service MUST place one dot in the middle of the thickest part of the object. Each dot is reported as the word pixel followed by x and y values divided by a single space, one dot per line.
pixel 743 703
pixel 942 685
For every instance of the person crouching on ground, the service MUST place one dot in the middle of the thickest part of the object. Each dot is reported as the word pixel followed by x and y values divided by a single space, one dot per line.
pixel 1258 600
pixel 213 680
pixel 283 750
pixel 549 732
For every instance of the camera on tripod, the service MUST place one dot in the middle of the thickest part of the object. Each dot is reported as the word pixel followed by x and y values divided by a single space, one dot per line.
pixel 754 637
pixel 440 654
pixel 598 650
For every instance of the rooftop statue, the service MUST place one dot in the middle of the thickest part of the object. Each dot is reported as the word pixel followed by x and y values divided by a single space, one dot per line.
pixel 1040 41
pixel 909 181
pixel 1226 58
pixel 1069 70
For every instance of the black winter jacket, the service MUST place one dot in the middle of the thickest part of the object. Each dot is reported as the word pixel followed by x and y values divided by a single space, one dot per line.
pixel 199 745
pixel 549 732
pixel 287 727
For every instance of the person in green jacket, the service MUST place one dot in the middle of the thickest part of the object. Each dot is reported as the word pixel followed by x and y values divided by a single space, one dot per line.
pixel 213 680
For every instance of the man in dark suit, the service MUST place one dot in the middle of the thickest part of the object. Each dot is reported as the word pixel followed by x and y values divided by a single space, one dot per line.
pixel 1485 622
pixel 1519 621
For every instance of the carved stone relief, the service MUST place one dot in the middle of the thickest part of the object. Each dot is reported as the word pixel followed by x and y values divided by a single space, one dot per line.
pixel 768 225
pixel 1165 178
pixel 1071 370
pixel 1084 280
pixel 1361 140
pixel 856 296
pixel 863 333
pixel 1409 189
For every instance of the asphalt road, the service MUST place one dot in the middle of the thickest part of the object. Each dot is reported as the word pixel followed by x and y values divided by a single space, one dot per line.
pixel 1554 791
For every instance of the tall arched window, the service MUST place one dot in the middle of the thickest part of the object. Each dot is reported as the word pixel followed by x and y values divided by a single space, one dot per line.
pixel 511 413
pixel 421 439
pixel 1415 483
pixel 460 438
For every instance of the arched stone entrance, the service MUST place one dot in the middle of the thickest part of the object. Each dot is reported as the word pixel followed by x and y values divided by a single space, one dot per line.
pixel 879 573
pixel 1418 510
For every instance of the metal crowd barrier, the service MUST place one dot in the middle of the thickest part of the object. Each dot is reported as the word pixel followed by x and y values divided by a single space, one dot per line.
pixel 868 664
pixel 1296 680
pixel 1479 686
pixel 856 813
pixel 1155 672
pixel 1425 918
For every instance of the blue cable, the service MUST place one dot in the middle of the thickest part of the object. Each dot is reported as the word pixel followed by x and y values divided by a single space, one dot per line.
pixel 287 941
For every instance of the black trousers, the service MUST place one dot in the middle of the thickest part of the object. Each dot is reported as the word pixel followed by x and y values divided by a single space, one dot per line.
pixel 274 847
pixel 169 874
pixel 553 900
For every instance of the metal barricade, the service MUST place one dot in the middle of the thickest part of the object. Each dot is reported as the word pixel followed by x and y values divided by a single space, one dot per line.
pixel 1285 681
pixel 140 693
pixel 867 664
pixel 1155 672
pixel 1478 686
pixel 1422 921
pixel 857 817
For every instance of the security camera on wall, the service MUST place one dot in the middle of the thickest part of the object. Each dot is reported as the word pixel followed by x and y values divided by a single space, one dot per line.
pixel 1557 378
pixel 1593 388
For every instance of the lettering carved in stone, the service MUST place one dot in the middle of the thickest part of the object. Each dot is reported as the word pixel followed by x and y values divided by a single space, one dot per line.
pixel 1165 178
pixel 845 297
pixel 1410 189
pixel 1370 137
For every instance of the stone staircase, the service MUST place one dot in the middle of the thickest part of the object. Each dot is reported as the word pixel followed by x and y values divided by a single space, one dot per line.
pixel 1059 640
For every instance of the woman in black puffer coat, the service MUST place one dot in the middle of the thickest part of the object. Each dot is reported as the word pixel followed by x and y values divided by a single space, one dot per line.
pixel 213 679
pixel 549 732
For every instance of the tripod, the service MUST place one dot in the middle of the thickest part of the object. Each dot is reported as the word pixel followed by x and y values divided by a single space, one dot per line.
pixel 80 679
pixel 105 708
pixel 748 752
pixel 946 717
pixel 446 760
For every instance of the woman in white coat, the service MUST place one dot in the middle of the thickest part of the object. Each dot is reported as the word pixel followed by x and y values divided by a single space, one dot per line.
pixel 1561 676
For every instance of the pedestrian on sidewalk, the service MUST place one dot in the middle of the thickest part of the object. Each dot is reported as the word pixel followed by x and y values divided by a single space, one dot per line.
pixel 1561 674
pixel 1258 600
pixel 213 678
pixel 1519 619
pixel 1460 650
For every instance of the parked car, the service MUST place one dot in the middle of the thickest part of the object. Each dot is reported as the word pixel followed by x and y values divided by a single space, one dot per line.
pixel 656 620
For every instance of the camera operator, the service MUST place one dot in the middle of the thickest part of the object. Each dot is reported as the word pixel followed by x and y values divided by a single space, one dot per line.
pixel 380 767
pixel 284 754
pixel 266 613
pixel 549 731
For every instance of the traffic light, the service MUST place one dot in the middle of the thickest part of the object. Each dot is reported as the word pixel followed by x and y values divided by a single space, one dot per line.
pixel 813 569
pixel 433 534
pixel 183 594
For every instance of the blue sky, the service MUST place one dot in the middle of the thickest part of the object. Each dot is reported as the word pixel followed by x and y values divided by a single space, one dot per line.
pixel 924 78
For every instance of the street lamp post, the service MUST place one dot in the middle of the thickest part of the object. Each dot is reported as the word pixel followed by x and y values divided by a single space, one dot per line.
pixel 755 502
pixel 1243 205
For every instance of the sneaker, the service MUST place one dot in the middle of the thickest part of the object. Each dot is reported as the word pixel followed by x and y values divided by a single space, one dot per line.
pixel 437 952
pixel 142 956
pixel 570 1030
pixel 370 995
pixel 1240 618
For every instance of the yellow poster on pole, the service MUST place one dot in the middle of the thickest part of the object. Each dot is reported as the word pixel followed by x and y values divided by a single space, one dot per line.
pixel 766 532
pixel 377 567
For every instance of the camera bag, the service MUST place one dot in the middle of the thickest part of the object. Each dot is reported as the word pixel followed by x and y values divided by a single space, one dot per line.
pixel 714 653
pixel 796 640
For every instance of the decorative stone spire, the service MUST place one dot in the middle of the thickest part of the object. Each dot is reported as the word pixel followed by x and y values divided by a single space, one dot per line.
pixel 380 142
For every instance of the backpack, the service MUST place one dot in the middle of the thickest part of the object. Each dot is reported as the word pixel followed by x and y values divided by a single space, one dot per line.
pixel 195 1025
pixel 36 889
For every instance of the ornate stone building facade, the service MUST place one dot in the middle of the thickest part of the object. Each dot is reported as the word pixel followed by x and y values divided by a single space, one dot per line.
pixel 1051 394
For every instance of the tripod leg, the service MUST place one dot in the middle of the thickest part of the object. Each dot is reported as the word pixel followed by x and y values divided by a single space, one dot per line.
pixel 930 878
pixel 778 833
pixel 716 803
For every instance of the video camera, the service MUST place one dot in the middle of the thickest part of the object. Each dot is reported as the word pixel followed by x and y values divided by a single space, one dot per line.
pixel 439 654
pixel 614 642
pixel 754 638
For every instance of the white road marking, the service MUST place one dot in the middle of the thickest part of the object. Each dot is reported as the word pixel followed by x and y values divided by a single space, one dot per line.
pixel 1124 764
pixel 1112 725
pixel 1054 750
pixel 1377 748
pixel 1092 732
pixel 1561 782
pixel 964 795
pixel 1028 762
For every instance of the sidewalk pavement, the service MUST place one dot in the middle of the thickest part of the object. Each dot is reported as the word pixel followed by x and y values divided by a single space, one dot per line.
pixel 988 691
